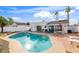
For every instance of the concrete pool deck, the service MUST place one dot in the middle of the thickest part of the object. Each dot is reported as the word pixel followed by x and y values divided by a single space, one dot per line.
pixel 60 44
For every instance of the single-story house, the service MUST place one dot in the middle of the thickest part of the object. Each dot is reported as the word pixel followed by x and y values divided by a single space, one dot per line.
pixel 53 26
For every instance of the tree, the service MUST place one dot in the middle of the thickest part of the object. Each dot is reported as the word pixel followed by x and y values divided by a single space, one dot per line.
pixel 10 21
pixel 56 15
pixel 67 10
pixel 4 22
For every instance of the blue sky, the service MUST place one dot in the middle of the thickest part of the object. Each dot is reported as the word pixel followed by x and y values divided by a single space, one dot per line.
pixel 38 13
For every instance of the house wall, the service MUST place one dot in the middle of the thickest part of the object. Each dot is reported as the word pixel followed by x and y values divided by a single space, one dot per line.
pixel 64 28
pixel 43 24
pixel 35 24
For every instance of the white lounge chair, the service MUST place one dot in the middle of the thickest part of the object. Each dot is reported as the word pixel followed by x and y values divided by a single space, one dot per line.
pixel 74 39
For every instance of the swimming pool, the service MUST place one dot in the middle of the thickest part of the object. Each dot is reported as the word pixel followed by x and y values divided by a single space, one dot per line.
pixel 32 42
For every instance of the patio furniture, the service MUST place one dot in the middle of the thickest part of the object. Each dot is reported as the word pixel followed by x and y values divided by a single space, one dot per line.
pixel 74 39
pixel 69 31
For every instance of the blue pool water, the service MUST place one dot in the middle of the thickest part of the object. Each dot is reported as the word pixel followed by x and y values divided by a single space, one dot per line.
pixel 32 42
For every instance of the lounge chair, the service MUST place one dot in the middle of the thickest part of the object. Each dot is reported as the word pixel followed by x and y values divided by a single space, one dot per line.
pixel 74 39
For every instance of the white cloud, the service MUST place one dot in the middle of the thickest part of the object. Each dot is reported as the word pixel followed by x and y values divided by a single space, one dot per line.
pixel 72 11
pixel 62 13
pixel 43 14
pixel 16 18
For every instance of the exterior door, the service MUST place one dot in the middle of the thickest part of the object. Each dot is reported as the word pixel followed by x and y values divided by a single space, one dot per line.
pixel 51 29
pixel 39 28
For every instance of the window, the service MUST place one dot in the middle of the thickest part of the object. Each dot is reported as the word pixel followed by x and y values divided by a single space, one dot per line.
pixel 58 27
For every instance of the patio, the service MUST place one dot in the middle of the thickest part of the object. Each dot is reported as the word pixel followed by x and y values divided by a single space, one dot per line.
pixel 60 44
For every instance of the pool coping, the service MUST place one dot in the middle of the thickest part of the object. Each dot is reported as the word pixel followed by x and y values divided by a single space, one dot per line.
pixel 46 51
pixel 29 32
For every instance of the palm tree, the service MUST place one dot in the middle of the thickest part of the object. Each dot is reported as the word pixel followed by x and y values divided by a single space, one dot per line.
pixel 4 22
pixel 10 21
pixel 56 15
pixel 67 10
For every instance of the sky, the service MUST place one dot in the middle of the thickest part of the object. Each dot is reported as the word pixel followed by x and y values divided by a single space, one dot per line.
pixel 38 13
